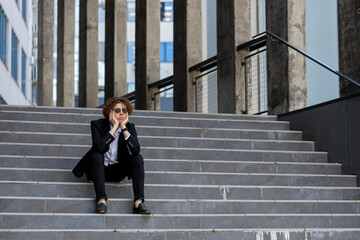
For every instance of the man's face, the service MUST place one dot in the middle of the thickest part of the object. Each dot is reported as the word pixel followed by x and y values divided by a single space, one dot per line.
pixel 119 110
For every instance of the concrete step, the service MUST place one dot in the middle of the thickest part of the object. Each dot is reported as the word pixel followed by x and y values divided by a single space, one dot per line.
pixel 179 206
pixel 98 112
pixel 29 149
pixel 233 155
pixel 157 141
pixel 190 178
pixel 182 165
pixel 84 129
pixel 178 191
pixel 176 221
pixel 146 120
pixel 184 234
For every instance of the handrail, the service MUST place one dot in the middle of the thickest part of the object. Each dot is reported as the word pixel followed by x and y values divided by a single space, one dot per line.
pixel 258 41
pixel 162 83
pixel 204 65
pixel 130 96
pixel 253 44
pixel 353 82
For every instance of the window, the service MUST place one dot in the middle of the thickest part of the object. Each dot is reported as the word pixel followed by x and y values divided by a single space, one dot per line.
pixel 14 55
pixel 167 13
pixel 130 52
pixel 23 72
pixel 101 14
pixel 34 93
pixel 24 10
pixel 3 31
pixel 2 101
pixel 130 87
pixel 166 52
pixel 131 11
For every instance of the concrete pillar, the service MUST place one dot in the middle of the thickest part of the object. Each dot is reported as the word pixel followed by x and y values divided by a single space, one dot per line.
pixel 45 53
pixel 147 54
pixel 88 54
pixel 233 29
pixel 115 48
pixel 349 51
pixel 65 54
pixel 187 52
pixel 286 69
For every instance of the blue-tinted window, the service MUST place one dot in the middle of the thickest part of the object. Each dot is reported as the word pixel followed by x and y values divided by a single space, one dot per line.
pixel 169 52
pixel 167 13
pixel 24 9
pixel 23 72
pixel 131 52
pixel 166 52
pixel 162 52
pixel 130 87
pixel 131 11
pixel 14 54
pixel 3 31
pixel 2 101
pixel 101 14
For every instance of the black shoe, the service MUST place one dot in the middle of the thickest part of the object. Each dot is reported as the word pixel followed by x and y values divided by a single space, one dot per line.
pixel 101 208
pixel 141 209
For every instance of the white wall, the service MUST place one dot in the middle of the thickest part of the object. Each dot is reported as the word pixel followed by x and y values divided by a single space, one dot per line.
pixel 10 90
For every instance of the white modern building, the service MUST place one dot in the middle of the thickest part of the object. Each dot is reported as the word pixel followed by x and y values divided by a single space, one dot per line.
pixel 15 52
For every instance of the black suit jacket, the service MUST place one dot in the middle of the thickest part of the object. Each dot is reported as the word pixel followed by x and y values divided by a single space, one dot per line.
pixel 101 139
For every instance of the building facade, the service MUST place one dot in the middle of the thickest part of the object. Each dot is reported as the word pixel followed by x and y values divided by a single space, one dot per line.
pixel 15 52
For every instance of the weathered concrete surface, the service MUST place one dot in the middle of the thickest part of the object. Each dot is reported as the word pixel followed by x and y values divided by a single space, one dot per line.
pixel 349 50
pixel 233 29
pixel 187 52
pixel 147 54
pixel 45 53
pixel 286 68
pixel 65 54
pixel 88 54
pixel 115 48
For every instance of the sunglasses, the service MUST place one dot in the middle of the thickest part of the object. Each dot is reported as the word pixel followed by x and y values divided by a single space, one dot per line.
pixel 118 110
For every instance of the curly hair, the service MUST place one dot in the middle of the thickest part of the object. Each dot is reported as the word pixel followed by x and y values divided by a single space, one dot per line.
pixel 111 102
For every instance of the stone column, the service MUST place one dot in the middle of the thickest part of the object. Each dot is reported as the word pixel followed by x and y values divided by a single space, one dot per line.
pixel 115 48
pixel 286 69
pixel 349 51
pixel 45 53
pixel 233 29
pixel 65 54
pixel 88 54
pixel 187 52
pixel 147 54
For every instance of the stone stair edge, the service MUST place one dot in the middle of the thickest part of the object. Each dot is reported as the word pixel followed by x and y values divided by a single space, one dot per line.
pixel 183 160
pixel 194 173
pixel 275 121
pixel 169 148
pixel 184 200
pixel 134 111
pixel 160 137
pixel 210 230
pixel 214 186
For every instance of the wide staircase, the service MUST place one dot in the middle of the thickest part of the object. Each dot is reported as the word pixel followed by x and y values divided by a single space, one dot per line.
pixel 208 176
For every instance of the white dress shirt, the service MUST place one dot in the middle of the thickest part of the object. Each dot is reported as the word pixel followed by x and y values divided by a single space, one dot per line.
pixel 111 155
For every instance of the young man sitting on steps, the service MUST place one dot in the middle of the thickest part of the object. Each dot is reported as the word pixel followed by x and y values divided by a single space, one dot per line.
pixel 115 154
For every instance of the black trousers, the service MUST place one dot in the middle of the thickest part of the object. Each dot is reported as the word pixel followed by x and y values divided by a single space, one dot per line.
pixel 132 167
